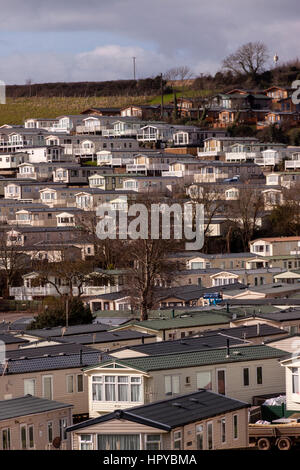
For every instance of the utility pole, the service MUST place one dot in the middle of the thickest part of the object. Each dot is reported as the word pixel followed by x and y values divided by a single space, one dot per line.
pixel 133 58
pixel 67 312
pixel 162 96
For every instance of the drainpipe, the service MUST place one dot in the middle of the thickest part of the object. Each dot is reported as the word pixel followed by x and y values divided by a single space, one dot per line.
pixel 227 348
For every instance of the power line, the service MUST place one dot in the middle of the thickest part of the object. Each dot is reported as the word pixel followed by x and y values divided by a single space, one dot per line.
pixel 133 58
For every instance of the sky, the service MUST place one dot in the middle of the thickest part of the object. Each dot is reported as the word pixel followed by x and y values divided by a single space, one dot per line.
pixel 95 40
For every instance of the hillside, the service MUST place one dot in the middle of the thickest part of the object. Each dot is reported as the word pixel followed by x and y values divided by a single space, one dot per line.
pixel 15 111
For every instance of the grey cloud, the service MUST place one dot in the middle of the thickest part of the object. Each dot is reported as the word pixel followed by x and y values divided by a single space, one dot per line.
pixel 198 33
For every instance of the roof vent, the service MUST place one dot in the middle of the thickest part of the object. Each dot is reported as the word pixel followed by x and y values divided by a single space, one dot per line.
pixel 194 400
pixel 177 405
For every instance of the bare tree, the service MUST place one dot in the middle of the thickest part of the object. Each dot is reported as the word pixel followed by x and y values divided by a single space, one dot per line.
pixel 178 73
pixel 249 59
pixel 150 264
pixel 107 252
pixel 13 262
pixel 64 275
pixel 29 83
pixel 148 261
pixel 212 199
pixel 285 216
pixel 243 213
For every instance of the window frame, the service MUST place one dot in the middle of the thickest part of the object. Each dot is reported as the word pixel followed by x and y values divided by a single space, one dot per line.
pixel 176 439
pixel 172 377
pixel 235 426
pixel 23 426
pixel 259 376
pixel 77 387
pixel 208 434
pixel 33 379
pixel 200 433
pixel 70 376
pixel 43 386
pixel 217 380
pixel 223 429
pixel 246 378
pixel 90 442
pixel 8 435
pixel 153 442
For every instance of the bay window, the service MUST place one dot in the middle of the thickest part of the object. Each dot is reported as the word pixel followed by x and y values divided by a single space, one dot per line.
pixel 97 388
pixel 121 388
pixel 110 387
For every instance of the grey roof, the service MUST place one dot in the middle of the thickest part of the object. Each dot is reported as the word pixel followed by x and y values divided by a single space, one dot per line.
pixel 186 344
pixel 37 350
pixel 111 296
pixel 59 360
pixel 28 405
pixel 10 339
pixel 266 301
pixel 174 412
pixel 192 291
pixel 106 337
pixel 248 331
pixel 24 229
pixel 281 316
pixel 71 330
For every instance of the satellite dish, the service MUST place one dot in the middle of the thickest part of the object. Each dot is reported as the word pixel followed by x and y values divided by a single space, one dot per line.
pixel 56 442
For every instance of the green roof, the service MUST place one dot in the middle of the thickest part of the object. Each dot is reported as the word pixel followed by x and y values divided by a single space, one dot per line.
pixel 197 320
pixel 280 257
pixel 200 358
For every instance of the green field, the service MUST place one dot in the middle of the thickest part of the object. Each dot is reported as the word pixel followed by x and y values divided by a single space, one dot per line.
pixel 15 111
pixel 182 93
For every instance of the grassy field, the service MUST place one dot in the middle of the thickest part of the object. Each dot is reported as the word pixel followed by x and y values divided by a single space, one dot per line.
pixel 15 111
pixel 184 92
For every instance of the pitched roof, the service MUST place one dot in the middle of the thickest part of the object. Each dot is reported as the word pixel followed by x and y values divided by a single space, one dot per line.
pixel 200 358
pixel 11 339
pixel 106 337
pixel 42 351
pixel 174 412
pixel 185 344
pixel 277 239
pixel 203 318
pixel 59 360
pixel 71 330
pixel 28 405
